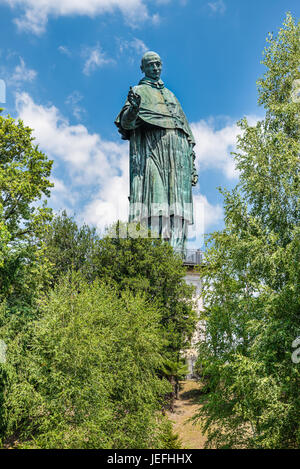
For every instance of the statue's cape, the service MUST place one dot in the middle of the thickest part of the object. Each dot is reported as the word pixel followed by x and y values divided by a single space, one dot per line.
pixel 159 107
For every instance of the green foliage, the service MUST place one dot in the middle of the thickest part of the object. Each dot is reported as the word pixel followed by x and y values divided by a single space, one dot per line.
pixel 84 373
pixel 169 439
pixel 24 173
pixel 23 179
pixel 89 322
pixel 177 369
pixel 150 265
pixel 69 247
pixel 252 286
pixel 139 264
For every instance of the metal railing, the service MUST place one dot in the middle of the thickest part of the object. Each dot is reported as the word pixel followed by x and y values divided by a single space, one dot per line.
pixel 192 257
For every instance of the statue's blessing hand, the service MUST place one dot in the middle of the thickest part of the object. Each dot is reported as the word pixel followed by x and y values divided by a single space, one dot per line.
pixel 134 98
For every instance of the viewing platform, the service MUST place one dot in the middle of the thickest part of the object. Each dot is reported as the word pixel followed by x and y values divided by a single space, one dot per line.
pixel 192 257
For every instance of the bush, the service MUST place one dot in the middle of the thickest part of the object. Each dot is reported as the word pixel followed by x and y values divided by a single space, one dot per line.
pixel 83 375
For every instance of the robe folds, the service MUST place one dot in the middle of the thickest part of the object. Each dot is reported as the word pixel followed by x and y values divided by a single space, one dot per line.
pixel 161 154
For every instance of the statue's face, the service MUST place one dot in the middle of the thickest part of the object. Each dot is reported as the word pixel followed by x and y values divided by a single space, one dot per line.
pixel 152 68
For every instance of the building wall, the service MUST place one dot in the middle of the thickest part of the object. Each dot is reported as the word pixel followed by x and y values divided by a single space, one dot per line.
pixel 193 278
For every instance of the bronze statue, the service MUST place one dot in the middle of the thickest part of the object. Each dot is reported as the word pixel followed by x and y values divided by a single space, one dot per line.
pixel 162 170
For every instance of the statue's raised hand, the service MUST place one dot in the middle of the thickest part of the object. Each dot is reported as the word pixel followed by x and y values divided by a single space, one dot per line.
pixel 134 99
pixel 194 170
pixel 194 179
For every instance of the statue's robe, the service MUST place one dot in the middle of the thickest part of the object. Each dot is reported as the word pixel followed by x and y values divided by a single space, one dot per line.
pixel 161 157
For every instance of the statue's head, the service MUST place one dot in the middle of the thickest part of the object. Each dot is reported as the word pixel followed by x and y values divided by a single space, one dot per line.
pixel 151 65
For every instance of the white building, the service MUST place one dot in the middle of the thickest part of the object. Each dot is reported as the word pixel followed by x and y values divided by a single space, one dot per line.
pixel 193 261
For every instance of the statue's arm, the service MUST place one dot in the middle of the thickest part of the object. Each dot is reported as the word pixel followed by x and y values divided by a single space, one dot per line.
pixel 131 110
pixel 128 118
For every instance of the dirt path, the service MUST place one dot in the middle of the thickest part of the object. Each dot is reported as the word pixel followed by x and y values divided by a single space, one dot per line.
pixel 185 407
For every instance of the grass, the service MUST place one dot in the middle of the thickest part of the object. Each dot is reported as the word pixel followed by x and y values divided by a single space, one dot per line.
pixel 185 407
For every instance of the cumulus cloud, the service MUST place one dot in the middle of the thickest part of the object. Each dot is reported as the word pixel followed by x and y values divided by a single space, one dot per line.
pixel 208 214
pixel 206 217
pixel 95 181
pixel 61 195
pixel 111 201
pixel 22 74
pixel 95 58
pixel 213 146
pixel 35 13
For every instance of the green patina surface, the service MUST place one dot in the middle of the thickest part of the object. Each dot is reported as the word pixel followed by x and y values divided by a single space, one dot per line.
pixel 162 170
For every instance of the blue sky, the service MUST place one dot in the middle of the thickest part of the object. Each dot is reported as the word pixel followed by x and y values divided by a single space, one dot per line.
pixel 68 65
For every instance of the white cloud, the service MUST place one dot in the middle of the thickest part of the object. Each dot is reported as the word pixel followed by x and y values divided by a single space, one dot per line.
pixel 36 13
pixel 213 146
pixel 61 196
pixel 206 217
pixel 111 202
pixel 132 48
pixel 96 181
pixel 138 45
pixel 212 214
pixel 22 74
pixel 217 7
pixel 2 91
pixel 95 58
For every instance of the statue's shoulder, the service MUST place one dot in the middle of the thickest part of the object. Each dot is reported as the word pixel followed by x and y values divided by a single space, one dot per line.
pixel 136 87
pixel 141 88
pixel 172 97
pixel 146 92
pixel 145 89
pixel 170 93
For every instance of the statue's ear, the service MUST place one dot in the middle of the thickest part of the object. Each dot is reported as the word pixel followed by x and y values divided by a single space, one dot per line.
pixel 142 68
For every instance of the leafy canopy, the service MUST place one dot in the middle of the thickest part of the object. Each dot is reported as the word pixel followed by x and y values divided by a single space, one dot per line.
pixel 24 179
pixel 84 374
pixel 140 265
pixel 252 286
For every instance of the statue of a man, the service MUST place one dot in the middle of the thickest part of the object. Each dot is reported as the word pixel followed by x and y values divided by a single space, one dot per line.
pixel 162 170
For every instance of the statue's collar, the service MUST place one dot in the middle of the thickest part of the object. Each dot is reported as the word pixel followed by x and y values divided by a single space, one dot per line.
pixel 155 84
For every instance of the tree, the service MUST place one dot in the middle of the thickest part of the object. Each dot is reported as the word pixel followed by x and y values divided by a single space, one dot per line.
pixel 139 264
pixel 83 375
pixel 148 265
pixel 175 371
pixel 252 286
pixel 24 173
pixel 69 246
